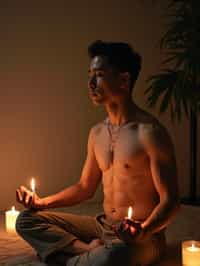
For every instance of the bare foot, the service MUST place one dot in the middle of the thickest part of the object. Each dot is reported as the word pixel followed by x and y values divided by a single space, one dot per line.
pixel 79 246
pixel 95 243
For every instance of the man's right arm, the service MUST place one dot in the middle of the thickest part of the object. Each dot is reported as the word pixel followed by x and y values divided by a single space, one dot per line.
pixel 74 194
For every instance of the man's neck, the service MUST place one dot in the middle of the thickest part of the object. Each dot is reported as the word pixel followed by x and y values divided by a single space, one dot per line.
pixel 121 112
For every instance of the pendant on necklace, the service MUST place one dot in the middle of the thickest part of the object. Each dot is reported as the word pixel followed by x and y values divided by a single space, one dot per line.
pixel 111 153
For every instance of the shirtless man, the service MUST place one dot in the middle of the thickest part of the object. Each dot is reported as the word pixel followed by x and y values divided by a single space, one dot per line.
pixel 132 155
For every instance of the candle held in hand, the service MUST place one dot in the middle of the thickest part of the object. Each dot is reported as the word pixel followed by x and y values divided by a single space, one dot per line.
pixel 11 217
pixel 130 221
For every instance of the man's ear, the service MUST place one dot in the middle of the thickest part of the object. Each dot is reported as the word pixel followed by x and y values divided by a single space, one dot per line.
pixel 125 79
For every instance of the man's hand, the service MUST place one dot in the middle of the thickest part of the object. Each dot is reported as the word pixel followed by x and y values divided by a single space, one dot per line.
pixel 29 199
pixel 130 231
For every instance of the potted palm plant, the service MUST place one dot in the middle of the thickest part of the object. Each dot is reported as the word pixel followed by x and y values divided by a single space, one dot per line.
pixel 177 86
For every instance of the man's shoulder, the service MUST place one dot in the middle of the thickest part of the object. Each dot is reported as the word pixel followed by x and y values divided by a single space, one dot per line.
pixel 152 131
pixel 151 128
pixel 97 128
pixel 149 124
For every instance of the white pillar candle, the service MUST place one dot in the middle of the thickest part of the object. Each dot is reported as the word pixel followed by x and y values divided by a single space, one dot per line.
pixel 11 217
pixel 191 253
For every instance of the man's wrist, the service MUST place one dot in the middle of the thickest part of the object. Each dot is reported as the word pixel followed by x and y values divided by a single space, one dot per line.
pixel 44 203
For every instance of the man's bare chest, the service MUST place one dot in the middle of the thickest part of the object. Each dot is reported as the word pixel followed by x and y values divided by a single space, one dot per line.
pixel 121 147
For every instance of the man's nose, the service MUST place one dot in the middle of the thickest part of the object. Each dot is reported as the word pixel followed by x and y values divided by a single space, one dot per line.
pixel 92 82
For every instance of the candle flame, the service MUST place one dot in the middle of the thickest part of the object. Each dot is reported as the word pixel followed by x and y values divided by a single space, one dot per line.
pixel 13 208
pixel 130 211
pixel 193 247
pixel 33 184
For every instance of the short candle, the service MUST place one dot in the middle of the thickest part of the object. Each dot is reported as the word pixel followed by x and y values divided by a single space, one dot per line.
pixel 131 221
pixel 11 217
pixel 191 253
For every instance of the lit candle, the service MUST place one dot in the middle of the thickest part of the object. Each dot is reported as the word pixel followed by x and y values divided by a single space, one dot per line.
pixel 11 217
pixel 191 253
pixel 131 222
pixel 33 184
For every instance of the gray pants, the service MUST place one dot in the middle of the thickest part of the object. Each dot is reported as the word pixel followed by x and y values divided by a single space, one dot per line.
pixel 48 232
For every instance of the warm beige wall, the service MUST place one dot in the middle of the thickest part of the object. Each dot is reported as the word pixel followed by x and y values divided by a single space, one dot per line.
pixel 45 113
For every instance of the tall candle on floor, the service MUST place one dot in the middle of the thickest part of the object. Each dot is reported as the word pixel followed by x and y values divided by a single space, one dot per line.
pixel 191 253
pixel 11 217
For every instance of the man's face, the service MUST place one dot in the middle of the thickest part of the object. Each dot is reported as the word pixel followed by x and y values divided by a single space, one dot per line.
pixel 103 82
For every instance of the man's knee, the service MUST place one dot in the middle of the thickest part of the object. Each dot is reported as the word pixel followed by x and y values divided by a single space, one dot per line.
pixel 24 221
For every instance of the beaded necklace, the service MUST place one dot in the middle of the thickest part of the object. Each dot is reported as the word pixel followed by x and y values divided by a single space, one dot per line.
pixel 114 132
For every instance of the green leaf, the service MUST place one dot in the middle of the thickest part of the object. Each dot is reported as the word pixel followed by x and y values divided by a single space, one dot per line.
pixel 166 100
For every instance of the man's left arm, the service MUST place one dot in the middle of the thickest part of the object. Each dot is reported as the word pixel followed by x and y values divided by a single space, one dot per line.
pixel 159 148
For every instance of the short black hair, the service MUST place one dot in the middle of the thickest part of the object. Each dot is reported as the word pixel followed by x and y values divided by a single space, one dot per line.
pixel 120 55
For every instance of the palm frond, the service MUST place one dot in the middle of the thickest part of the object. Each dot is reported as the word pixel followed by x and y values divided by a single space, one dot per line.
pixel 178 87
